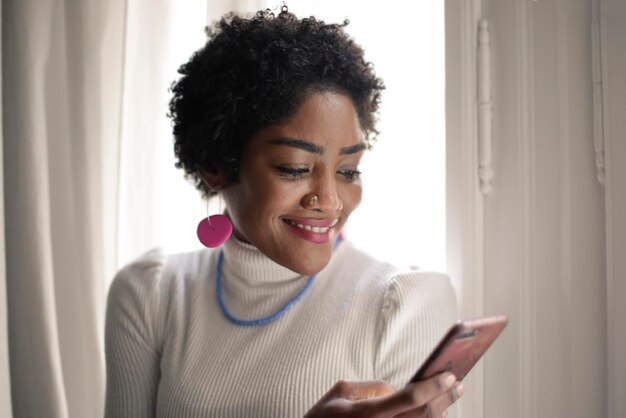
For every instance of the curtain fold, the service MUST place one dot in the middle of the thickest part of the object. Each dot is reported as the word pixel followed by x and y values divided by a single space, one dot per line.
pixel 62 69
pixel 84 143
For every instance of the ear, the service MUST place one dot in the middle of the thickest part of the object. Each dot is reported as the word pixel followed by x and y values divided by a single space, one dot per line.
pixel 216 179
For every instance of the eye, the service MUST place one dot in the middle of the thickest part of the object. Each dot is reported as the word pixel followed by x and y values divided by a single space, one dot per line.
pixel 291 173
pixel 350 175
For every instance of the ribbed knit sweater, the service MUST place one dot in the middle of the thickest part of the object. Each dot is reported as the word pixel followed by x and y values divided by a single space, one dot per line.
pixel 171 352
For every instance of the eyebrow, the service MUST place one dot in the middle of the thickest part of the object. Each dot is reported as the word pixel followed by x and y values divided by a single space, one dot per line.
pixel 353 149
pixel 298 143
pixel 316 149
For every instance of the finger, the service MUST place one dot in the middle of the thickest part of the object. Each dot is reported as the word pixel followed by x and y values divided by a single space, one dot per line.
pixel 413 395
pixel 355 391
pixel 438 406
pixel 446 399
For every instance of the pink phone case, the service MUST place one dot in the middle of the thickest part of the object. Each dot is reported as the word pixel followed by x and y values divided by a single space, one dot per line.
pixel 462 347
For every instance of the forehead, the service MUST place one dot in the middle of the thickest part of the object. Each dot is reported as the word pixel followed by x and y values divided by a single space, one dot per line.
pixel 327 119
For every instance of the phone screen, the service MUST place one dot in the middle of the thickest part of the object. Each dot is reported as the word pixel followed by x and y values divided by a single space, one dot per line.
pixel 462 347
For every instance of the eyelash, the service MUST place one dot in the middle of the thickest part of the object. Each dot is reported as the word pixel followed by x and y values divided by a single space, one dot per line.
pixel 350 175
pixel 292 173
pixel 298 173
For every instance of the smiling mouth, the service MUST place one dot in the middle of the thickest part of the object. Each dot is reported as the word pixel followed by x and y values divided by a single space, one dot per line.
pixel 312 228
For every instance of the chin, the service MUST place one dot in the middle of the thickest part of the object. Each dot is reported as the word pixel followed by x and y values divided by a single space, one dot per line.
pixel 310 271
pixel 308 266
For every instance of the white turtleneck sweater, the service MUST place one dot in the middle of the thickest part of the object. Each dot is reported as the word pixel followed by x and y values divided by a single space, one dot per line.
pixel 171 352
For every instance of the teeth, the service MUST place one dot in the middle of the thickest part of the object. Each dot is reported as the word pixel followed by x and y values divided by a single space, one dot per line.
pixel 316 229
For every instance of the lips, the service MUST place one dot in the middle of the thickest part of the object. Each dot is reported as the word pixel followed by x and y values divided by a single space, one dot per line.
pixel 315 230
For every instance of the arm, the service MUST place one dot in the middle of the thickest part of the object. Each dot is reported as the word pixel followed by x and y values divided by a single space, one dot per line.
pixel 132 340
pixel 416 310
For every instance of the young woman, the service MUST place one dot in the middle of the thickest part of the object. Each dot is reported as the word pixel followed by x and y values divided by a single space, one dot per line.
pixel 286 318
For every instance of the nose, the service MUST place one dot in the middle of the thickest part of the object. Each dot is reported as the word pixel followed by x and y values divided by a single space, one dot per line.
pixel 324 195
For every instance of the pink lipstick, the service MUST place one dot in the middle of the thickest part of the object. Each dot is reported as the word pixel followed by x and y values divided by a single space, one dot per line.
pixel 314 230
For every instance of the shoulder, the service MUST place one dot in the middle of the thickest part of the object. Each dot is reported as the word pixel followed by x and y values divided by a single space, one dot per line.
pixel 141 291
pixel 425 300
pixel 393 283
pixel 394 292
pixel 418 300
pixel 421 289
pixel 140 274
pixel 155 266
pixel 151 277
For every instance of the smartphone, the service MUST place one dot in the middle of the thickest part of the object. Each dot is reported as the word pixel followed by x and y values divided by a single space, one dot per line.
pixel 462 347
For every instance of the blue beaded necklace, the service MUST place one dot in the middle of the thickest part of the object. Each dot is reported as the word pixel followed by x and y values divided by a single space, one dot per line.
pixel 261 321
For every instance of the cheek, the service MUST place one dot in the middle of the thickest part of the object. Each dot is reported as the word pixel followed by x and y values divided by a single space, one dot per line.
pixel 279 194
pixel 268 198
pixel 352 197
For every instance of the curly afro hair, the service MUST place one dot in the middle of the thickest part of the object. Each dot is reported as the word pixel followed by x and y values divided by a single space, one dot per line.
pixel 255 72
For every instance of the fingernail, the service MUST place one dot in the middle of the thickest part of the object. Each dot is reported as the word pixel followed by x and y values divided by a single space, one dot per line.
pixel 460 389
pixel 449 380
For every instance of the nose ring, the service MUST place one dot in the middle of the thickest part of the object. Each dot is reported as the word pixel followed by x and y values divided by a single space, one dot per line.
pixel 312 200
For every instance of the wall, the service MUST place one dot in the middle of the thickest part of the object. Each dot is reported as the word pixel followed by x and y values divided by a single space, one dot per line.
pixel 5 381
pixel 542 246
pixel 613 33
pixel 544 228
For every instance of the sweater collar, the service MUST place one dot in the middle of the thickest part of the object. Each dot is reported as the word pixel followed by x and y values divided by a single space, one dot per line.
pixel 247 265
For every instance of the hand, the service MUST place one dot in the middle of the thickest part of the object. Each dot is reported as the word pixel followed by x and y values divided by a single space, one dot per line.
pixel 429 398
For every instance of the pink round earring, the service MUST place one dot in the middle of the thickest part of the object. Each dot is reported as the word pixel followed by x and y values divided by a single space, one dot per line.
pixel 214 230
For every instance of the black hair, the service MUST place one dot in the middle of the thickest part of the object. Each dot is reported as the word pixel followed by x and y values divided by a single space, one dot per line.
pixel 254 72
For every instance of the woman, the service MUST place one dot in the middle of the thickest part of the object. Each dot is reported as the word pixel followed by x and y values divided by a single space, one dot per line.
pixel 286 319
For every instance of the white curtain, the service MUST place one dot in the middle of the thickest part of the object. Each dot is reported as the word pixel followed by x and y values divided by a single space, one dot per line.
pixel 83 86
pixel 161 35
pixel 62 68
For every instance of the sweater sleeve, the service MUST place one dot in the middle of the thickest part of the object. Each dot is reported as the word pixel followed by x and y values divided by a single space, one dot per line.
pixel 133 338
pixel 417 309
